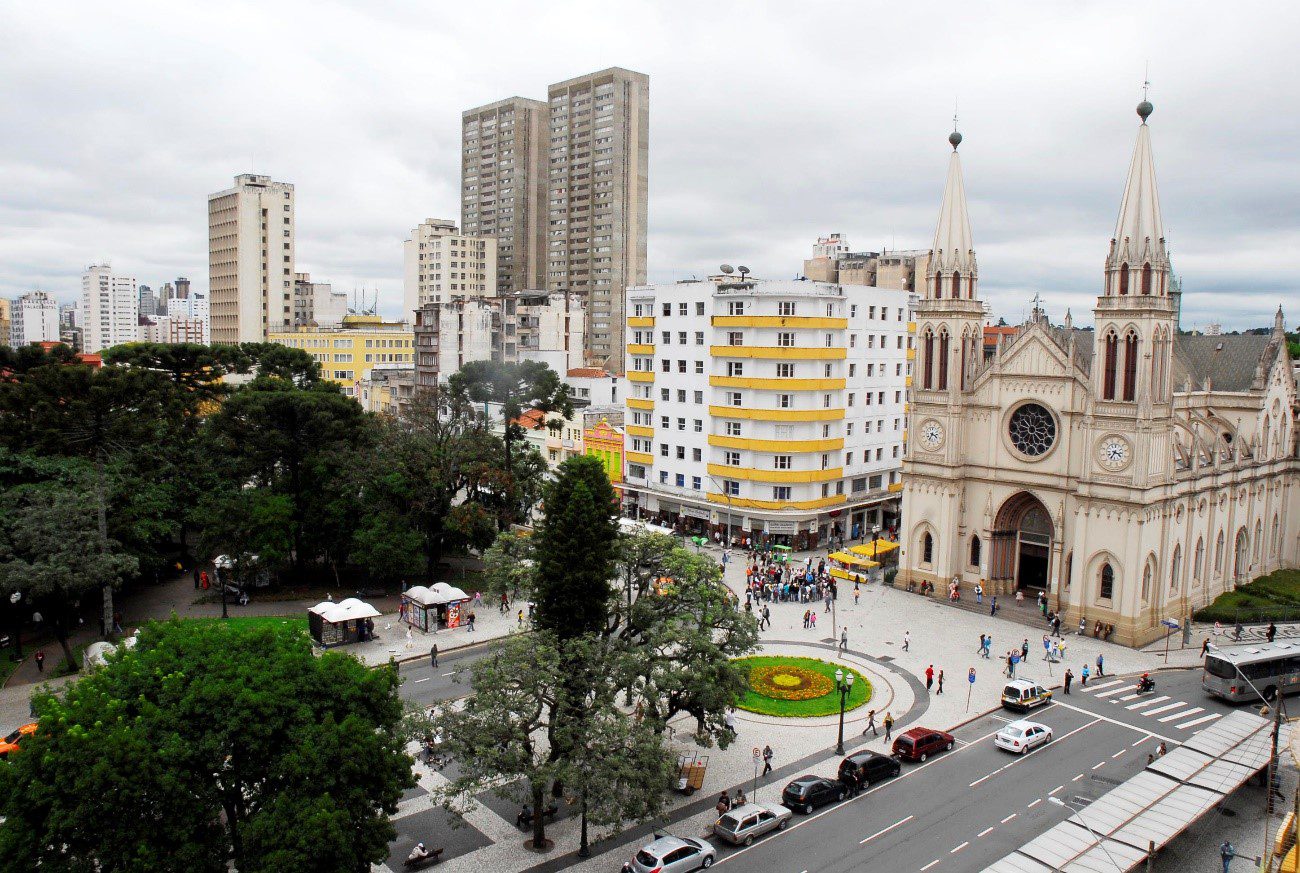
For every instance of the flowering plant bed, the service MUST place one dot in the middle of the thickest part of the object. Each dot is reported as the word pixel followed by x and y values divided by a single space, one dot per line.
pixel 794 687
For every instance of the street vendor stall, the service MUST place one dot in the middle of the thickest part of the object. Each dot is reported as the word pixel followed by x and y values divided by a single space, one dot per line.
pixel 337 624
pixel 877 550
pixel 434 608
pixel 850 567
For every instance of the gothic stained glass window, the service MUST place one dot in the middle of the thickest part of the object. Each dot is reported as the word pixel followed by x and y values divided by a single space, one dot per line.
pixel 1032 429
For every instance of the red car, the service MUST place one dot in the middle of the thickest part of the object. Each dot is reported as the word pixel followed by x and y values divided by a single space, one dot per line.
pixel 920 743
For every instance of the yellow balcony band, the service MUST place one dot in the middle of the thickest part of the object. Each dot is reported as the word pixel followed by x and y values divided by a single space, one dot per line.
pixel 640 458
pixel 640 376
pixel 775 414
pixel 776 321
pixel 810 353
pixel 640 349
pixel 908 381
pixel 745 503
pixel 776 384
pixel 640 321
pixel 640 403
pixel 752 474
pixel 911 354
pixel 827 445
pixel 911 326
pixel 896 487
pixel 639 430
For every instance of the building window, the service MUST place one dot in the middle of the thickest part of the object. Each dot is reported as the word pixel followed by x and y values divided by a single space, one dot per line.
pixel 943 360
pixel 699 336
pixel 663 477
pixel 681 480
pixel 781 462
pixel 1130 366
pixel 735 368
pixel 1123 280
pixel 733 428
pixel 699 425
pixel 783 401
pixel 699 310
pixel 697 454
pixel 1107 589
pixel 975 551
pixel 927 549
pixel 1198 560
pixel 785 339
pixel 735 338
pixel 1109 366
pixel 699 367
pixel 732 459
pixel 781 492
pixel 927 364
pixel 699 396
pixel 681 424
pixel 731 487
pixel 1218 555
pixel 681 453
pixel 1174 567
pixel 785 307
pixel 735 398
pixel 695 482
pixel 785 371
pixel 668 309
pixel 736 307
pixel 848 458
pixel 667 337
pixel 681 366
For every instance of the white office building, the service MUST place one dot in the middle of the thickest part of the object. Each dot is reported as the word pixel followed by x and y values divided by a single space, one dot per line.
pixel 34 318
pixel 110 309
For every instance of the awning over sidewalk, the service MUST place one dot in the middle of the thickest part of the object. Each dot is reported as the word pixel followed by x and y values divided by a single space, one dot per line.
pixel 874 548
pixel 345 610
pixel 1156 805
pixel 853 560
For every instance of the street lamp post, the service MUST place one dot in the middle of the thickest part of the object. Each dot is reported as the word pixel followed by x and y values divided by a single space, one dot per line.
pixel 843 684
pixel 1059 802
pixel 875 547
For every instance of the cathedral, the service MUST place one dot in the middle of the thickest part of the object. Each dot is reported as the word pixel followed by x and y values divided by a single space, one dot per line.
pixel 1131 472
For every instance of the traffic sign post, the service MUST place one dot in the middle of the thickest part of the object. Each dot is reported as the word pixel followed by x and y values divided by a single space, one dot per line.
pixel 758 756
pixel 970 685
pixel 1173 626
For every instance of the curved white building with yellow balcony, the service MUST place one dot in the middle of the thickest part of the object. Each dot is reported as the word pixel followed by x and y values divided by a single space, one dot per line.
pixel 767 408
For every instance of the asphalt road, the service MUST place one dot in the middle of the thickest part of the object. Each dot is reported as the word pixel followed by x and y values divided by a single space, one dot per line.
pixel 424 683
pixel 964 809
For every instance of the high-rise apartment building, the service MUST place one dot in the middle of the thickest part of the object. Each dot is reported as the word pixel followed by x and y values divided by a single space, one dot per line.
pixel 250 259
pixel 32 318
pixel 192 313
pixel 317 304
pixel 6 320
pixel 182 287
pixel 441 263
pixel 70 326
pixel 503 187
pixel 770 408
pixel 109 309
pixel 149 302
pixel 348 353
pixel 589 231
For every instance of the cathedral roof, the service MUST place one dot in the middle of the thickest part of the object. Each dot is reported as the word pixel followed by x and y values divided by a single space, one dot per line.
pixel 1229 362
pixel 954 247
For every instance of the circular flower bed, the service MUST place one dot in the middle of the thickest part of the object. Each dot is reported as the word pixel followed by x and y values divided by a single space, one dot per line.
pixel 797 687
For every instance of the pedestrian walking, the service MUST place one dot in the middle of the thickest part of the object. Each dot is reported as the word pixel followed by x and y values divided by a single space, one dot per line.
pixel 979 593
pixel 196 577
pixel 1024 650
pixel 1236 631
pixel 1272 631
pixel 40 662
pixel 1056 625
pixel 940 688
pixel 993 605
pixel 812 620
pixel 871 724
pixel 844 640
pixel 1083 676
pixel 1069 678
pixel 856 592
pixel 729 718
pixel 889 726
pixel 1101 666
pixel 521 618
pixel 433 655
pixel 473 616
pixel 929 677
pixel 980 649
pixel 1083 625
pixel 988 646
pixel 767 615
pixel 1205 647
pixel 1227 853
pixel 767 759
pixel 805 619
pixel 907 640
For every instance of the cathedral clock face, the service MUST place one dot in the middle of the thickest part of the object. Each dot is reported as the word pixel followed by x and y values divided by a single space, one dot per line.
pixel 1114 452
pixel 931 434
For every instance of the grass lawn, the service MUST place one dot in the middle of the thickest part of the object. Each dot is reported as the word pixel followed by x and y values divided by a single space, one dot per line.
pixel 1275 596
pixel 253 621
pixel 7 666
pixel 826 704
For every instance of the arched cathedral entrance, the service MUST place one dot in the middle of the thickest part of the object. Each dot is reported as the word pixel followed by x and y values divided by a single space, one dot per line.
pixel 1021 550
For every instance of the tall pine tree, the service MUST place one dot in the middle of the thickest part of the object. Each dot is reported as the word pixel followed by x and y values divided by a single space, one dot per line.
pixel 576 550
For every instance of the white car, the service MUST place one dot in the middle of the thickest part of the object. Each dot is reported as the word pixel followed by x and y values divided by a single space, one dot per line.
pixel 1021 736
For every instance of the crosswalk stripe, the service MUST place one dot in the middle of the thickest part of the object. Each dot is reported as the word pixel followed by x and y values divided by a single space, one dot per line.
pixel 1192 711
pixel 1095 687
pixel 1168 706
pixel 1143 703
pixel 1113 691
pixel 1127 697
pixel 1202 720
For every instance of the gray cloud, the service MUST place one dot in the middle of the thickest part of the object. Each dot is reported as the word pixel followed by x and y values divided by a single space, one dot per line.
pixel 770 125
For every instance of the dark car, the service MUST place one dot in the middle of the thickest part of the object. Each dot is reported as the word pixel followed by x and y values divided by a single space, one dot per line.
pixel 809 792
pixel 860 770
pixel 920 743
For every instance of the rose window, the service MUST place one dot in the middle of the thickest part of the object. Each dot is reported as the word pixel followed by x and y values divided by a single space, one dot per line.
pixel 1032 429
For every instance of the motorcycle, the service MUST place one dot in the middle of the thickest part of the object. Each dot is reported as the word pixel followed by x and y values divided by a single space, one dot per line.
pixel 1146 684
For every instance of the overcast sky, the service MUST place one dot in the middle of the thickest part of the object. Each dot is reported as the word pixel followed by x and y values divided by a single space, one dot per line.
pixel 770 124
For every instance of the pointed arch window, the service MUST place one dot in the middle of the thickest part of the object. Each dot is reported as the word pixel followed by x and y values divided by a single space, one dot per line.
pixel 1198 562
pixel 1108 367
pixel 975 550
pixel 1123 280
pixel 1158 365
pixel 1218 555
pixel 1175 567
pixel 1130 366
pixel 1259 540
pixel 956 285
pixel 965 352
pixel 1146 279
pixel 927 373
pixel 1275 539
pixel 1106 590
pixel 927 549
pixel 943 360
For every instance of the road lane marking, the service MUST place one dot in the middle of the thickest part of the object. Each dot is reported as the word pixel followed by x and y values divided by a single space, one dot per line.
pixel 1177 704
pixel 1126 698
pixel 834 806
pixel 1183 714
pixel 883 831
pixel 1035 803
pixel 1095 687
pixel 1119 690
pixel 1117 754
pixel 1114 721
pixel 453 673
pixel 1009 818
pixel 985 831
pixel 928 866
pixel 425 679
pixel 1032 752
pixel 1077 778
pixel 1095 766
pixel 957 849
pixel 1202 720
pixel 1153 700
pixel 1054 790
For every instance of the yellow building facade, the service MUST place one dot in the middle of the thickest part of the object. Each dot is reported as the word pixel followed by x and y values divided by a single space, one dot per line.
pixel 349 353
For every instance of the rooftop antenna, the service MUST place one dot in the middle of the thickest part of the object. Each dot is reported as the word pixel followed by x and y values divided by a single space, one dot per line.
pixel 743 270
pixel 727 268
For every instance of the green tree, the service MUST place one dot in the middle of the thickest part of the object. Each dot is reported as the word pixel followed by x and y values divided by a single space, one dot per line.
pixel 641 559
pixel 516 387
pixel 205 746
pixel 575 549
pixel 508 566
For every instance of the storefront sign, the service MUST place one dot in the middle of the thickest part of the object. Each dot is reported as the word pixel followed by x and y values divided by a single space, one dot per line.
pixel 695 512
pixel 781 527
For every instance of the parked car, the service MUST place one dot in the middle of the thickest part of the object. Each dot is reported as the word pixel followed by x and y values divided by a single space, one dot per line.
pixel 859 770
pixel 1024 695
pixel 743 823
pixel 920 743
pixel 11 741
pixel 1021 736
pixel 670 854
pixel 809 792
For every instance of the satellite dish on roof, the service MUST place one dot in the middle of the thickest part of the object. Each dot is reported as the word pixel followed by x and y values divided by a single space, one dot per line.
pixel 727 268
pixel 743 269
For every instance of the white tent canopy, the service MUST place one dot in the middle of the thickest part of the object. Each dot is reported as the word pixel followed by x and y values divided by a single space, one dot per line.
pixel 344 610
pixel 438 593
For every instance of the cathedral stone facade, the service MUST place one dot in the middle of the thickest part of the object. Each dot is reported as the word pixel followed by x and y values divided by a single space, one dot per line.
pixel 1130 472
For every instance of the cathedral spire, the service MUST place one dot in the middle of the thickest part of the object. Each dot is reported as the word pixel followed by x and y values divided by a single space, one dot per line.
pixel 1140 230
pixel 954 247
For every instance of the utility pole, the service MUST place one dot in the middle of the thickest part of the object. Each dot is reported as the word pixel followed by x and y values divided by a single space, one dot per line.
pixel 101 512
